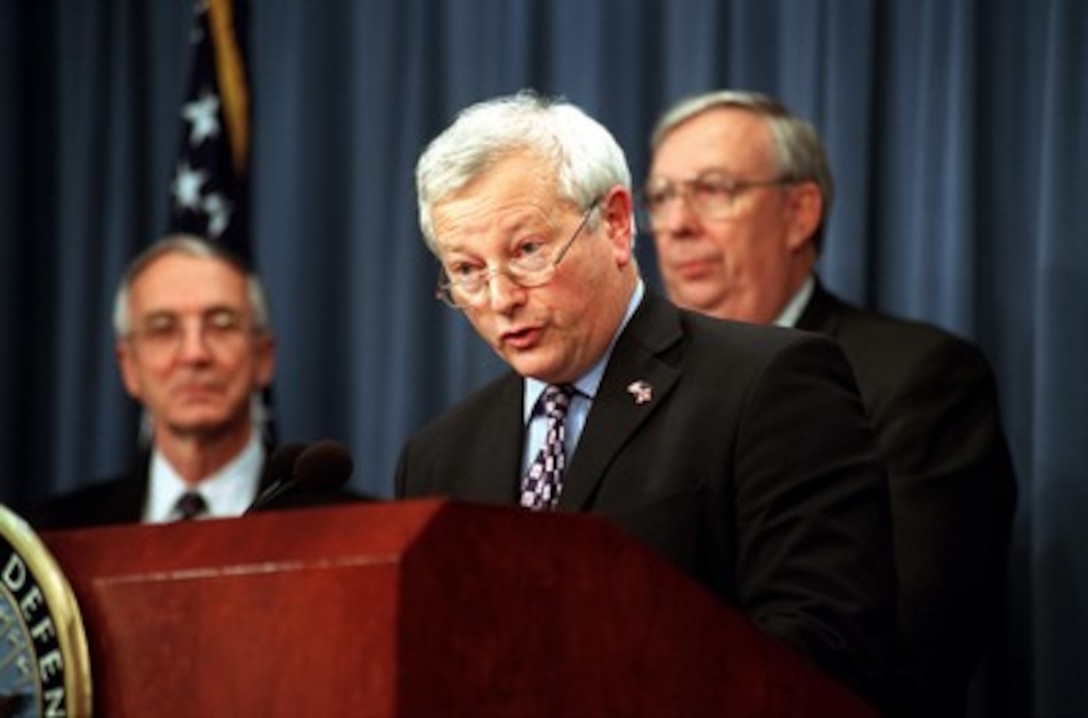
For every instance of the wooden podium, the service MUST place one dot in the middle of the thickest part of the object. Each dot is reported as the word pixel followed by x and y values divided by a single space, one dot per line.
pixel 418 608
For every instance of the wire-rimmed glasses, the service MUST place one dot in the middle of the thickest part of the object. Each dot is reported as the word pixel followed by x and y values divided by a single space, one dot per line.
pixel 465 285
pixel 163 333
pixel 712 194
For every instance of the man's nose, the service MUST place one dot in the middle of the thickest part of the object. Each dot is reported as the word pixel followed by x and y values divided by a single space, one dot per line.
pixel 675 217
pixel 504 293
pixel 192 342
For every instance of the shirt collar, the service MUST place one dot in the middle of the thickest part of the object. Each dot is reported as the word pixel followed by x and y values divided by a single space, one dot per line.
pixel 228 492
pixel 796 306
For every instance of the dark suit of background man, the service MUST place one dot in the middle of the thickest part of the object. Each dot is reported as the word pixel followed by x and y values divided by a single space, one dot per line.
pixel 738 196
pixel 195 348
pixel 741 453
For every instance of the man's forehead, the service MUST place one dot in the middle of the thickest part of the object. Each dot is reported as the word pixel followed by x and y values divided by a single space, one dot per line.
pixel 184 280
pixel 727 138
pixel 165 267
pixel 506 215
pixel 461 220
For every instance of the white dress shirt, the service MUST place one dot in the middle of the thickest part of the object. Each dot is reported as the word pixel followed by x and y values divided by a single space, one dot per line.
pixel 227 492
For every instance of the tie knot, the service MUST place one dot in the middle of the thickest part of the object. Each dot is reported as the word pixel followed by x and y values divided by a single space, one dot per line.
pixel 556 400
pixel 191 505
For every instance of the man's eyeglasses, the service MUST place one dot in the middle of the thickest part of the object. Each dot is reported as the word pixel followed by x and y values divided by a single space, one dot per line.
pixel 711 195
pixel 163 334
pixel 534 265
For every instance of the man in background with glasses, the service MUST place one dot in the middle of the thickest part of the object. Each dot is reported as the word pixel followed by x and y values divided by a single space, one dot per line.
pixel 741 453
pixel 738 198
pixel 195 348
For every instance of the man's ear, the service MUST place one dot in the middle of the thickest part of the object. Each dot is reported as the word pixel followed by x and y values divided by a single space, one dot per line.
pixel 616 209
pixel 266 359
pixel 126 363
pixel 806 207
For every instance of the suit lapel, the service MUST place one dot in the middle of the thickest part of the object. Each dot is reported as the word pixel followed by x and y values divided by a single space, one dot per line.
pixel 494 471
pixel 266 478
pixel 821 315
pixel 618 409
pixel 127 505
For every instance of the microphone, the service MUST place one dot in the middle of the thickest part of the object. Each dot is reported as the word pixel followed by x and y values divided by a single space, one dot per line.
pixel 324 465
pixel 321 466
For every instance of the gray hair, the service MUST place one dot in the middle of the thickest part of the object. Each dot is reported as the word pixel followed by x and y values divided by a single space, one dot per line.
pixel 191 246
pixel 587 159
pixel 799 153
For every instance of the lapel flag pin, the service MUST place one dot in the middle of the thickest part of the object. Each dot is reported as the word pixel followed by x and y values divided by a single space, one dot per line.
pixel 642 391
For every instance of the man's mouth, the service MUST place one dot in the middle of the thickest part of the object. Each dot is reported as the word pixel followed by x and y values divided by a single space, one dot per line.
pixel 693 268
pixel 192 390
pixel 521 339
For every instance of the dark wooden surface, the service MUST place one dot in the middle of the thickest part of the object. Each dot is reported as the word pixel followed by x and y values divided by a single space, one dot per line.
pixel 416 608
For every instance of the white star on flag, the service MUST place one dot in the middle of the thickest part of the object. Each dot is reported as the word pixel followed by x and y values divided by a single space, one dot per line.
pixel 210 185
pixel 187 185
pixel 219 211
pixel 204 116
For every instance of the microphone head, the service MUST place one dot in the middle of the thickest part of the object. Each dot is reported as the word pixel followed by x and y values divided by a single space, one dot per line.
pixel 323 465
pixel 279 475
pixel 281 464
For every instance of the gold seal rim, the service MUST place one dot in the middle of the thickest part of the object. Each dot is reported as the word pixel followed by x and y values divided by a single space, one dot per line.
pixel 62 605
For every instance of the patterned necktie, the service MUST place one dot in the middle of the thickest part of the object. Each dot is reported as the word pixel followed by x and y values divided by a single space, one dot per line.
pixel 541 486
pixel 190 506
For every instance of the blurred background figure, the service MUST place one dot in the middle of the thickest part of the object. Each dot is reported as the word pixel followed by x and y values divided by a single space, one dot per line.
pixel 195 349
pixel 738 196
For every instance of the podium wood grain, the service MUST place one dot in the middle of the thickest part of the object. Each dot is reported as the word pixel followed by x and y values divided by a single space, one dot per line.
pixel 416 608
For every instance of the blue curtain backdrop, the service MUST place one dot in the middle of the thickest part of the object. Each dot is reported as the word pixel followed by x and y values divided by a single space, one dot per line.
pixel 958 131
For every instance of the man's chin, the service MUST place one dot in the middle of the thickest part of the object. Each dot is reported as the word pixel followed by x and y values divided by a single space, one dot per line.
pixel 531 363
pixel 697 298
pixel 199 425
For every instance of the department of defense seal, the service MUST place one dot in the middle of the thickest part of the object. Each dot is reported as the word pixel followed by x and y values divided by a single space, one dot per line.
pixel 44 668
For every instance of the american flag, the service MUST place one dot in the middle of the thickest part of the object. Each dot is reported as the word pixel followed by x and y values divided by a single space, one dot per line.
pixel 210 187
pixel 209 193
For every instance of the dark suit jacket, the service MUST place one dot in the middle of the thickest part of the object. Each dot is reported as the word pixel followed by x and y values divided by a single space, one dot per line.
pixel 933 404
pixel 752 468
pixel 121 499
